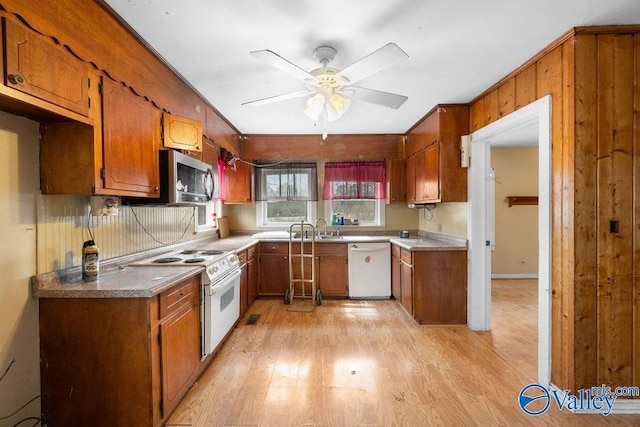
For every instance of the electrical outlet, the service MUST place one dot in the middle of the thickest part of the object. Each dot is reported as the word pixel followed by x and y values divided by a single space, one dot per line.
pixel 523 262
pixel 104 205
pixel 439 227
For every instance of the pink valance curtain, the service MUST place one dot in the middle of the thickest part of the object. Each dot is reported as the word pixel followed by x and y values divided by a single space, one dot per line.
pixel 354 180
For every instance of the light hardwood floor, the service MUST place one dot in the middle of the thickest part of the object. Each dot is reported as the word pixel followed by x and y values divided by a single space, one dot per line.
pixel 356 363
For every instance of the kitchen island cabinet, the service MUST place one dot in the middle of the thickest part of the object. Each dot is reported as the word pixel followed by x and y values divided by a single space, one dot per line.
pixel 119 361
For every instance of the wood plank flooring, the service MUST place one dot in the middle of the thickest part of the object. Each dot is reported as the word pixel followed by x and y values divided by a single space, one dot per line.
pixel 367 363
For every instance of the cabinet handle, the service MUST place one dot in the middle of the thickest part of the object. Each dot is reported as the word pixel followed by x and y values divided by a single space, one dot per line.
pixel 15 79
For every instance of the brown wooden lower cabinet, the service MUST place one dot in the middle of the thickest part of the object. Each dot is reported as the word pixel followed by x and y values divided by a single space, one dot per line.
pixel 332 274
pixel 118 361
pixel 432 284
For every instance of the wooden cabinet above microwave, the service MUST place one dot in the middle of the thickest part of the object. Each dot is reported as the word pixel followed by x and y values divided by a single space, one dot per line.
pixel 181 133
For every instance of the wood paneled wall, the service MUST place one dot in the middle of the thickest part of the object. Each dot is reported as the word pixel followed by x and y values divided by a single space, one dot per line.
pixel 92 34
pixel 592 75
pixel 335 147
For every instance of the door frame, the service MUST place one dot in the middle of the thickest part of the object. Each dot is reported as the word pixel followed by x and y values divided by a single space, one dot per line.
pixel 480 210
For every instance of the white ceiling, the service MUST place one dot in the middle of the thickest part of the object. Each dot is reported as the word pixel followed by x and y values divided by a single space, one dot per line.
pixel 456 48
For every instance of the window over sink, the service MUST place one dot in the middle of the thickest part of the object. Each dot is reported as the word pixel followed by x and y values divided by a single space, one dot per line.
pixel 355 191
pixel 286 193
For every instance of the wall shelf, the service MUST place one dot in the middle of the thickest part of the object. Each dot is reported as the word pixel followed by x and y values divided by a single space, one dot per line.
pixel 521 200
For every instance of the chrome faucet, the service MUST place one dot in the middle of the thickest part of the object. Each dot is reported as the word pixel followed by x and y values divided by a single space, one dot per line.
pixel 337 231
pixel 325 226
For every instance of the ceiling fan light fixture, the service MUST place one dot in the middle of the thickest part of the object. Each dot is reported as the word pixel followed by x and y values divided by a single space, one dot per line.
pixel 340 103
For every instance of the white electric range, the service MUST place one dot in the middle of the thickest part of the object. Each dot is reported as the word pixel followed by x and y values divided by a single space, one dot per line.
pixel 219 289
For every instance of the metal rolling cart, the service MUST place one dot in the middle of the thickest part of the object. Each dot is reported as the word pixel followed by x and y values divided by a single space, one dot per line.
pixel 303 233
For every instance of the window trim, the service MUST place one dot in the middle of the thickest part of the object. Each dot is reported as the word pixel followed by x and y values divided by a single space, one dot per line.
pixel 261 215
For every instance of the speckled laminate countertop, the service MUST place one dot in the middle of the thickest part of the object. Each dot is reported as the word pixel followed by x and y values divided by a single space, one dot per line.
pixel 119 280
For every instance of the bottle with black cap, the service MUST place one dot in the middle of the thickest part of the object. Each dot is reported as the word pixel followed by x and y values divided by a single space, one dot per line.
pixel 90 261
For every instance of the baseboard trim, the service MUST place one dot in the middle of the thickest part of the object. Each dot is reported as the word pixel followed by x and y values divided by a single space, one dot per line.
pixel 514 276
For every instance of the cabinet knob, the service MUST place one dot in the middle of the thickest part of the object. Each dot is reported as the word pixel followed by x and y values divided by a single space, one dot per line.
pixel 156 189
pixel 15 79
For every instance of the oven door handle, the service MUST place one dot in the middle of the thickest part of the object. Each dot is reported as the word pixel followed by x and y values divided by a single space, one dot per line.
pixel 225 283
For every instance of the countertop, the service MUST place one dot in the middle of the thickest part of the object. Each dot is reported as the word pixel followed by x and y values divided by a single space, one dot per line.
pixel 119 280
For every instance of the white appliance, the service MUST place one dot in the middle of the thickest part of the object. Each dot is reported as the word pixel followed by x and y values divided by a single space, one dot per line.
pixel 370 270
pixel 219 290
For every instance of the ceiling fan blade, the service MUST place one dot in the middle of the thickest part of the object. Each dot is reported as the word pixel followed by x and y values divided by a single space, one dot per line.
pixel 379 60
pixel 278 98
pixel 385 99
pixel 281 64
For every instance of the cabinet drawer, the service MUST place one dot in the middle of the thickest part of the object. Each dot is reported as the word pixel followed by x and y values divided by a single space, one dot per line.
pixel 178 296
pixel 274 248
pixel 251 252
pixel 242 257
pixel 331 249
pixel 405 256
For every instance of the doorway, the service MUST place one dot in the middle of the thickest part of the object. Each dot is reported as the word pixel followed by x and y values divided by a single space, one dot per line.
pixel 535 118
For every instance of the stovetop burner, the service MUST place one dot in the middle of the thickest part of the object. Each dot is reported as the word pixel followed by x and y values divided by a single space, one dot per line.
pixel 193 260
pixel 189 251
pixel 167 260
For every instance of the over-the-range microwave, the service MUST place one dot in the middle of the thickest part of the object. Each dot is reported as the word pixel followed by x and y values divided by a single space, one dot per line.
pixel 185 180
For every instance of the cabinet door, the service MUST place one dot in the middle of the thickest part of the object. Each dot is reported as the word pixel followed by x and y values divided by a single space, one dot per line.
pixel 239 183
pixel 396 181
pixel 274 274
pixel 180 354
pixel 431 176
pixel 244 289
pixel 34 65
pixel 209 153
pixel 440 287
pixel 131 135
pixel 411 179
pixel 333 275
pixel 181 133
pixel 406 281
pixel 396 285
pixel 252 286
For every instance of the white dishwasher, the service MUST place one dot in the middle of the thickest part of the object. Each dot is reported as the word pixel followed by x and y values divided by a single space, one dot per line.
pixel 370 270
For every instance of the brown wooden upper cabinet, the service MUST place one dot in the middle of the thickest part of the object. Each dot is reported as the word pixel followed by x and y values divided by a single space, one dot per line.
pixel 35 65
pixel 238 183
pixel 433 169
pixel 117 156
pixel 181 133
pixel 396 181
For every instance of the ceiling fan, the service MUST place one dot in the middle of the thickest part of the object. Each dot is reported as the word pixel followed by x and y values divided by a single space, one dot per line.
pixel 331 90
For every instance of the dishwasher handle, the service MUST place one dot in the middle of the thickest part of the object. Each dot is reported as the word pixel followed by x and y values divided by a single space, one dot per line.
pixel 355 248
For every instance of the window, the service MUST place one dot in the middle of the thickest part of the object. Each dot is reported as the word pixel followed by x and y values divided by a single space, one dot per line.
pixel 286 193
pixel 355 190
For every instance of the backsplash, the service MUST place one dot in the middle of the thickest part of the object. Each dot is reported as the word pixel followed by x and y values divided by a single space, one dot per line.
pixel 63 225
pixel 446 218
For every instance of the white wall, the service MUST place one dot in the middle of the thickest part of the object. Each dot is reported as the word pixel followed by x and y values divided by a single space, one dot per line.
pixel 19 183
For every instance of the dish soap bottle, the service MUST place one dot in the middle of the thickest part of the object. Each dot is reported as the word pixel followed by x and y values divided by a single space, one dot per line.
pixel 334 218
pixel 90 261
